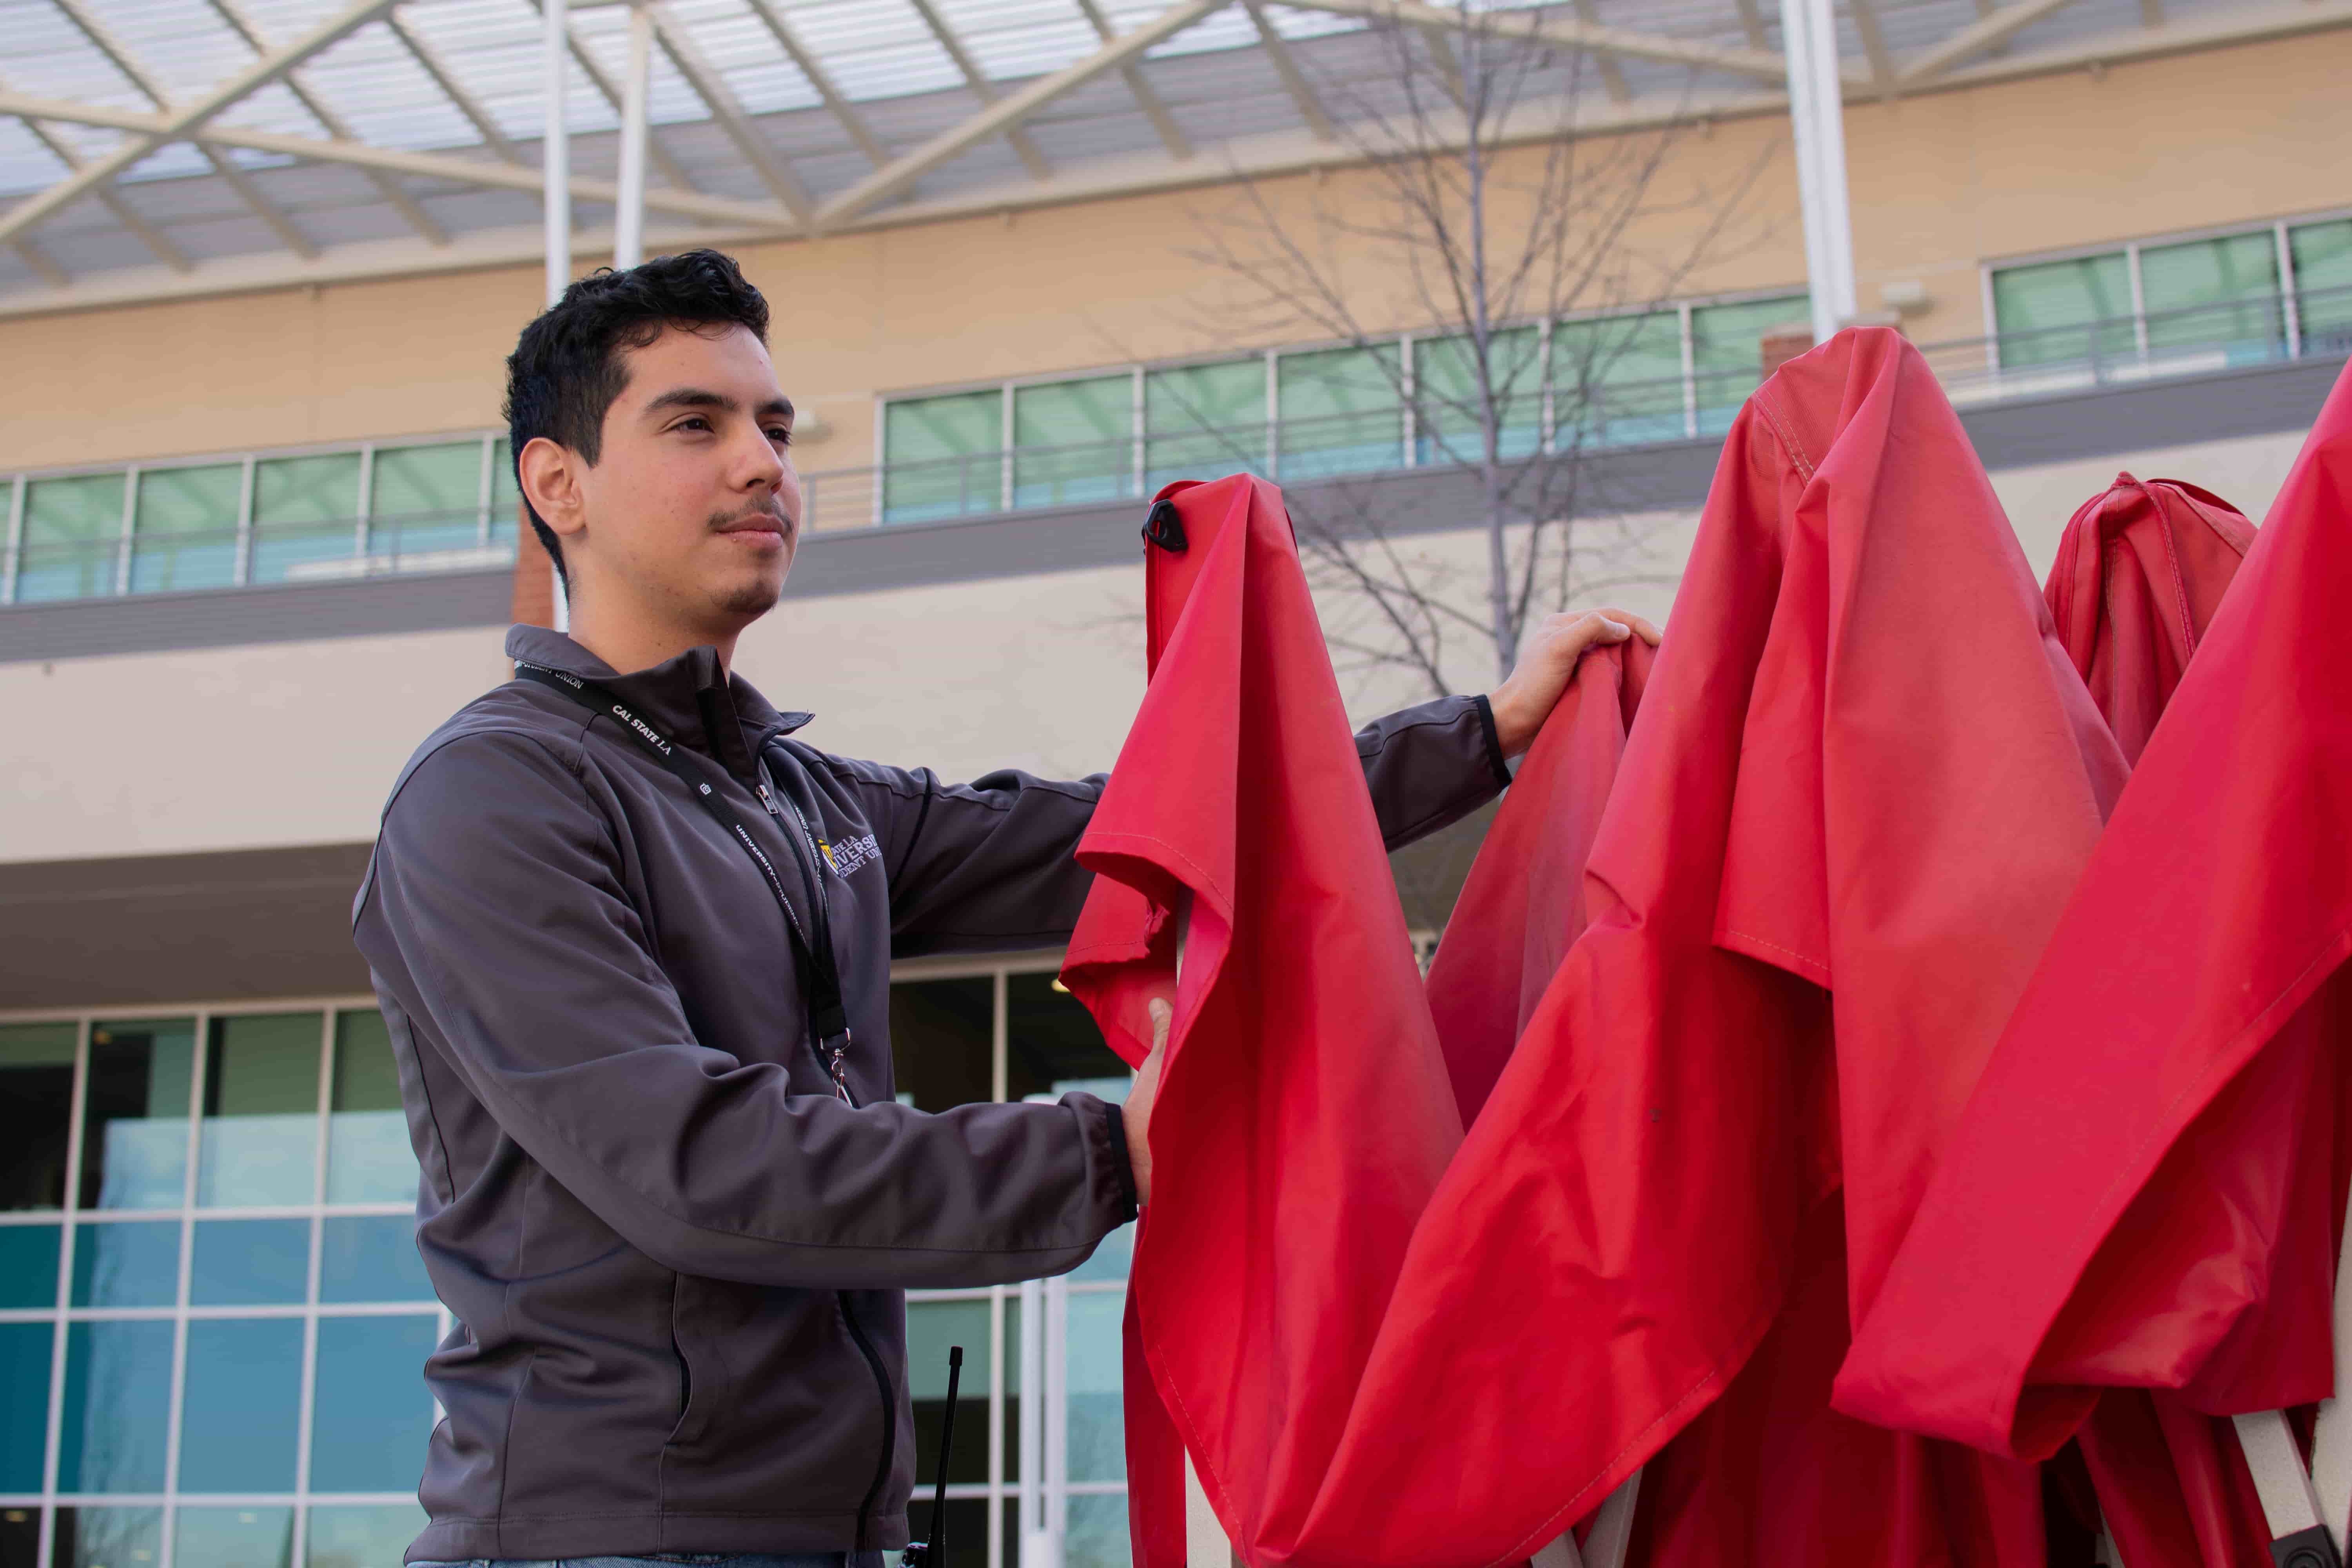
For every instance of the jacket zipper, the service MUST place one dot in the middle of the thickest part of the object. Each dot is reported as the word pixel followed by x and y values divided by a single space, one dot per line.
pixel 834 1061
pixel 887 1402
pixel 890 1420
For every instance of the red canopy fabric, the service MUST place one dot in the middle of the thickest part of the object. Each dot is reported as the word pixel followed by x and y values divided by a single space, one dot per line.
pixel 2139 571
pixel 1304 1112
pixel 1523 902
pixel 1863 779
pixel 2146 1190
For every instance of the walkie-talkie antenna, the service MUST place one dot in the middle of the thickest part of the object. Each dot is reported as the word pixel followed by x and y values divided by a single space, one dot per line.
pixel 933 1553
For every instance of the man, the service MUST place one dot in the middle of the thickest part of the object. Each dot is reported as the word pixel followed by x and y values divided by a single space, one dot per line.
pixel 633 944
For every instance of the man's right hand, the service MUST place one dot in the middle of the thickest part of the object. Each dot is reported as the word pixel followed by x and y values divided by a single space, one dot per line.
pixel 1137 1112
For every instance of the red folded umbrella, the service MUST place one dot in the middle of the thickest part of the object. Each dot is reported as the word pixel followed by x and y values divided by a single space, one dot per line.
pixel 1304 1112
pixel 1863 779
pixel 2139 571
pixel 1525 902
pixel 2146 1189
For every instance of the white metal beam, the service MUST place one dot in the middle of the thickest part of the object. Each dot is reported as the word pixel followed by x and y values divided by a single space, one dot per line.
pixel 433 66
pixel 423 165
pixel 732 117
pixel 1171 135
pixel 1873 45
pixel 333 124
pixel 820 79
pixel 1817 115
pixel 118 55
pixel 629 217
pixel 610 90
pixel 986 90
pixel 169 254
pixel 176 126
pixel 1588 37
pixel 34 257
pixel 1975 38
pixel 1613 75
pixel 1294 80
pixel 900 172
pixel 554 152
pixel 1257 155
pixel 1751 22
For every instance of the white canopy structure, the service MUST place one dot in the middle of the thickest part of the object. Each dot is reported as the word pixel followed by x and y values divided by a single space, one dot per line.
pixel 154 149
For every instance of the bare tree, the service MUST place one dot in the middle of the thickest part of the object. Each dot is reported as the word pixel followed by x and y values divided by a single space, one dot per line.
pixel 1518 249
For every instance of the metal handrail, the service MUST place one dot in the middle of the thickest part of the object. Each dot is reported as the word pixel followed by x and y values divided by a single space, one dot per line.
pixel 1609 411
pixel 1612 412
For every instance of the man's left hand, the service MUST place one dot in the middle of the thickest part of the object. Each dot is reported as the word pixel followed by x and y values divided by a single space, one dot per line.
pixel 1548 656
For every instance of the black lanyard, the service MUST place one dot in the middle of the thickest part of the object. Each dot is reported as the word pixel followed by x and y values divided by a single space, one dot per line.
pixel 812 952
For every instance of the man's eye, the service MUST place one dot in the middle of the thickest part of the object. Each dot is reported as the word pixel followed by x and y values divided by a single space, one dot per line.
pixel 781 434
pixel 695 422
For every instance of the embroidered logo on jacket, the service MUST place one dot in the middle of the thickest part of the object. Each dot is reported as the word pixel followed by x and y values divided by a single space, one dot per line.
pixel 848 855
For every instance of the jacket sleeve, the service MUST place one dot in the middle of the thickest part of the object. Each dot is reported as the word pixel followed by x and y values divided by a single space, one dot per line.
pixel 991 865
pixel 497 920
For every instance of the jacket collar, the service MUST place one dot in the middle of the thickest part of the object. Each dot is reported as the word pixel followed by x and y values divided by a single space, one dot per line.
pixel 689 697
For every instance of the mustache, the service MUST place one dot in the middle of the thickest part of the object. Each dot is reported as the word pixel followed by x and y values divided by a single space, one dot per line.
pixel 772 511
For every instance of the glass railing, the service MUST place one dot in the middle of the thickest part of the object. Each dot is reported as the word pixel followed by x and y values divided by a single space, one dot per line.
pixel 181 559
pixel 1602 411
pixel 1607 412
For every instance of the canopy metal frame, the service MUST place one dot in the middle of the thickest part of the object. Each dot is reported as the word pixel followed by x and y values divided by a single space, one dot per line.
pixel 1689 59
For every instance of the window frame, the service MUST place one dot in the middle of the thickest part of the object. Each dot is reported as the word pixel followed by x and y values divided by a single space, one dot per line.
pixel 2278 228
pixel 363 562
pixel 1032 1492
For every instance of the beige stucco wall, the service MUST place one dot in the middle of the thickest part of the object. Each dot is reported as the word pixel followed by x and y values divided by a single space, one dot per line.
pixel 1940 183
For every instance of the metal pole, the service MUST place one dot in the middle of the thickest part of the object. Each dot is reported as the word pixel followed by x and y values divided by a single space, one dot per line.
pixel 555 151
pixel 1817 116
pixel 555 176
pixel 629 219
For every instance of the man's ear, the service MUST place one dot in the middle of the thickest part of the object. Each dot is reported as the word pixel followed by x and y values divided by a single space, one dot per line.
pixel 550 474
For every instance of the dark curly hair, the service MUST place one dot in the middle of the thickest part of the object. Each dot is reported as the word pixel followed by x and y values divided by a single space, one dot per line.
pixel 567 368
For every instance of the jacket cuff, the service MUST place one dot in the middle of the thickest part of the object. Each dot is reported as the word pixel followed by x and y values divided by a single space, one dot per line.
pixel 1122 1166
pixel 1495 760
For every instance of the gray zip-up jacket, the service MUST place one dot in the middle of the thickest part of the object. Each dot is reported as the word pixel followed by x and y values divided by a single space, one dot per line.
pixel 675 1257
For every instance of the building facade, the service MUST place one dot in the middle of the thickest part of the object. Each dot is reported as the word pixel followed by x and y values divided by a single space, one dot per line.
pixel 259 543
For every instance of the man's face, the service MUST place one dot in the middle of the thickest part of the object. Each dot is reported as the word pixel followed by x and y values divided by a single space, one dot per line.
pixel 692 508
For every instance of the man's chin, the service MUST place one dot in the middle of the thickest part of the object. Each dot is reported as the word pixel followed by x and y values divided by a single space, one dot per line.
pixel 750 600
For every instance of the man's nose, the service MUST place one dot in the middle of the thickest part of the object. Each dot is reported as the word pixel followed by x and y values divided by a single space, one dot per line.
pixel 760 463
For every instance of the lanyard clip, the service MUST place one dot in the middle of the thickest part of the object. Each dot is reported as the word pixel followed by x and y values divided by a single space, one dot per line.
pixel 836 1063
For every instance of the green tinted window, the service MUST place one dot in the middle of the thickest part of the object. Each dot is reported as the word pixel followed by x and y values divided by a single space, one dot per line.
pixel 2323 283
pixel 1451 385
pixel 1618 379
pixel 1074 441
pixel 425 499
pixel 2057 312
pixel 944 455
pixel 37 1073
pixel 1339 411
pixel 183 527
pixel 1203 421
pixel 2215 295
pixel 506 494
pixel 1727 354
pixel 135 1146
pixel 304 515
pixel 258 1144
pixel 72 527
pixel 369 1158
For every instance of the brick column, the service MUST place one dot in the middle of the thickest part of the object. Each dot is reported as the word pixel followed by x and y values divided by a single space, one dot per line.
pixel 534 576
